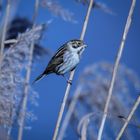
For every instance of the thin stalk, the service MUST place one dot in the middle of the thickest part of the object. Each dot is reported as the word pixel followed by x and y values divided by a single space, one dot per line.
pixel 135 106
pixel 11 41
pixel 69 113
pixel 11 111
pixel 84 129
pixel 5 25
pixel 83 125
pixel 117 61
pixel 27 79
pixel 63 104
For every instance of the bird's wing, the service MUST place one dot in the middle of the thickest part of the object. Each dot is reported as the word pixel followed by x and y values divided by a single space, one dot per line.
pixel 56 60
pixel 60 51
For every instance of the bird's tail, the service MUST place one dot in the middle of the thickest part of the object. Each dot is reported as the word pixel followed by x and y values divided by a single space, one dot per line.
pixel 39 77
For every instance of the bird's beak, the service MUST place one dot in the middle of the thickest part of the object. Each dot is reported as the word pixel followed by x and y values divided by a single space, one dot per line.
pixel 84 46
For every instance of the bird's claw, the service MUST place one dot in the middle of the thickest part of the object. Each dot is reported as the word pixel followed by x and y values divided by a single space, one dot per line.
pixel 69 82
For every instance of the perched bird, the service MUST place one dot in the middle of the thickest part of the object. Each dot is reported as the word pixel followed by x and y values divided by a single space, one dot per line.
pixel 65 59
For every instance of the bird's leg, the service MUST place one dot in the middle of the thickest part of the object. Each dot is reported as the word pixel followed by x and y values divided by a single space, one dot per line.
pixel 68 81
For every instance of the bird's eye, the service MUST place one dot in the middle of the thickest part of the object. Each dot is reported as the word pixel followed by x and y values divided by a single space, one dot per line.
pixel 79 43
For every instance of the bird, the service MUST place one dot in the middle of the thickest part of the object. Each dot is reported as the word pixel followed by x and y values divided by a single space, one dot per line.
pixel 66 58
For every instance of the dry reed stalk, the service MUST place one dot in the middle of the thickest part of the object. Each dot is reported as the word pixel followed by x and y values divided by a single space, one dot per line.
pixel 27 79
pixel 5 24
pixel 69 113
pixel 117 61
pixel 135 106
pixel 11 41
pixel 63 104
pixel 84 129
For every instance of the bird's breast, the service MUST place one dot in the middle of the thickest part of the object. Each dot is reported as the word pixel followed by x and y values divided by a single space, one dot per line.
pixel 70 61
pixel 71 57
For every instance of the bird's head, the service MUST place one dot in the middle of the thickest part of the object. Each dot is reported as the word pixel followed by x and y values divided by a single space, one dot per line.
pixel 77 46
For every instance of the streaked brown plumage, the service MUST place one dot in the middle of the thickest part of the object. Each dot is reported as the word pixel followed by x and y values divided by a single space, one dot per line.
pixel 65 59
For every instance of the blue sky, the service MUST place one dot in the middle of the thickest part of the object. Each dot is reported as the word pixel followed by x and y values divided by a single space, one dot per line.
pixel 103 38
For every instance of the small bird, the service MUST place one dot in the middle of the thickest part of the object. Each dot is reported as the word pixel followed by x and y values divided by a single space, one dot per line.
pixel 65 59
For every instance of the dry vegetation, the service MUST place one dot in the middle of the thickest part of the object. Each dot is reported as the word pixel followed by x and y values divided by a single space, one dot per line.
pixel 100 85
